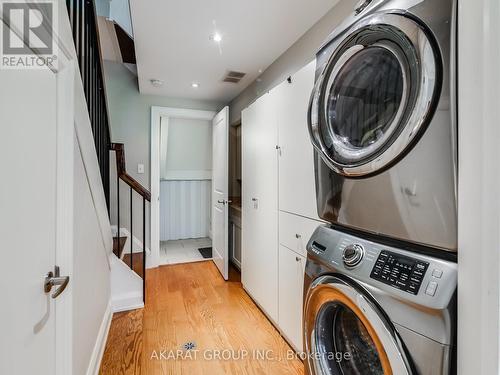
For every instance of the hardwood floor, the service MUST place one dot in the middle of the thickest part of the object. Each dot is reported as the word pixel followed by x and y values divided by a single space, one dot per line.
pixel 190 304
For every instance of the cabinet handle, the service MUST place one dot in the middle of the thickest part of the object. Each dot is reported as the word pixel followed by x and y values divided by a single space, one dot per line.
pixel 254 199
pixel 297 236
pixel 297 259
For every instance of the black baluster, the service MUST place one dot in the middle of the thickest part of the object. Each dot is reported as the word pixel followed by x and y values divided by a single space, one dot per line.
pixel 143 249
pixel 118 204
pixel 131 235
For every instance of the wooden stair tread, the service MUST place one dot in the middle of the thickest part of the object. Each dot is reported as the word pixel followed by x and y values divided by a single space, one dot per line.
pixel 118 245
pixel 137 267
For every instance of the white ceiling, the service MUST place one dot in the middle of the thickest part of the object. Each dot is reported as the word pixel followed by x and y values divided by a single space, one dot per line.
pixel 172 41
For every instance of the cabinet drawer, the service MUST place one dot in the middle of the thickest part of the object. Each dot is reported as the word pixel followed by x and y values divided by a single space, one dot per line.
pixel 295 231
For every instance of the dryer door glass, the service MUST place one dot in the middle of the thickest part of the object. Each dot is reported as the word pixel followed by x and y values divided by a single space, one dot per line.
pixel 375 95
pixel 363 102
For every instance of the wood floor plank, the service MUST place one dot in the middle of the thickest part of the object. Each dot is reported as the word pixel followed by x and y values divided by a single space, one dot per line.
pixel 191 303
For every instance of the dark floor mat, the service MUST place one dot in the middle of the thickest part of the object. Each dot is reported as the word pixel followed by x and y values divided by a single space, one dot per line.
pixel 206 252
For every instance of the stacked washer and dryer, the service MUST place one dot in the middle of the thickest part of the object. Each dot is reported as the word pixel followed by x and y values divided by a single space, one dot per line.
pixel 381 278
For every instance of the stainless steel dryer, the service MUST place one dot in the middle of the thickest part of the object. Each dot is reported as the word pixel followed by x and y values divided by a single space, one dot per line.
pixel 371 309
pixel 382 121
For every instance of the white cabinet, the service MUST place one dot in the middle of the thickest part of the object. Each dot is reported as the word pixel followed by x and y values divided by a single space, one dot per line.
pixel 297 192
pixel 291 286
pixel 259 271
pixel 295 231
pixel 278 188
pixel 235 236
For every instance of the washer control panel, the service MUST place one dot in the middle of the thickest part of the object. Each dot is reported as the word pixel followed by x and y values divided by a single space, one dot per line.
pixel 399 271
pixel 409 275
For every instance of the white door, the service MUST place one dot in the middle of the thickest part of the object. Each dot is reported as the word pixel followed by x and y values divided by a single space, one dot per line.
pixel 260 203
pixel 291 287
pixel 36 160
pixel 220 199
pixel 296 168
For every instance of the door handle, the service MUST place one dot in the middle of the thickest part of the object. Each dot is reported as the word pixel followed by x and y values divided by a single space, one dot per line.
pixel 53 280
pixel 224 201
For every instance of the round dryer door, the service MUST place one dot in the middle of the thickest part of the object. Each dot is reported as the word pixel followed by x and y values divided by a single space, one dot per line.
pixel 375 95
pixel 347 334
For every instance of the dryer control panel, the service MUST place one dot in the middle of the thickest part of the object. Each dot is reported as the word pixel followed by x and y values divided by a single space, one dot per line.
pixel 399 271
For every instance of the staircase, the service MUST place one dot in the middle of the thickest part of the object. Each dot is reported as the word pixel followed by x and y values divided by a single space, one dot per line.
pixel 128 260
pixel 134 259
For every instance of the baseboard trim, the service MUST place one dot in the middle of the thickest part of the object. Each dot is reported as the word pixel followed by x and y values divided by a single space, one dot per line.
pixel 126 302
pixel 102 336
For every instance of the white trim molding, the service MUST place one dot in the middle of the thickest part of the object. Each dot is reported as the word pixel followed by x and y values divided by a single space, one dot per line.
pixel 100 344
pixel 157 113
pixel 478 187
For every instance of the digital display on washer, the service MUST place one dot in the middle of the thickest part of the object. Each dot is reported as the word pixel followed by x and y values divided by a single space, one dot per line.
pixel 399 271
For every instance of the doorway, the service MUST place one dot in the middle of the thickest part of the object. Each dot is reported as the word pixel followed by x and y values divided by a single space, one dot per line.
pixel 189 186
pixel 234 189
pixel 185 190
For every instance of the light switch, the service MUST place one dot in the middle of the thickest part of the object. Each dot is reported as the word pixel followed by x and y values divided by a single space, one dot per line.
pixel 140 168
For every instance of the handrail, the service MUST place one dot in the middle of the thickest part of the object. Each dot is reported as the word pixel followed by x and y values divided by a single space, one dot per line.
pixel 122 172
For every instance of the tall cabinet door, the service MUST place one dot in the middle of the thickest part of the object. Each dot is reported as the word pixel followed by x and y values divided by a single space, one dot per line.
pixel 296 165
pixel 260 203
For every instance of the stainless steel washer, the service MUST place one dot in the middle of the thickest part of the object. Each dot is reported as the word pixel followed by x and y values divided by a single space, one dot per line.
pixel 382 121
pixel 370 309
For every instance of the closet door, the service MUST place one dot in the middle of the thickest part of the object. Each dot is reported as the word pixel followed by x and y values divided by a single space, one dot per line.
pixel 248 263
pixel 291 287
pixel 260 204
pixel 297 193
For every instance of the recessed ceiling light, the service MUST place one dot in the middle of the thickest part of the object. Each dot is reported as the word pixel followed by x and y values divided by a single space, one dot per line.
pixel 195 85
pixel 216 37
pixel 156 82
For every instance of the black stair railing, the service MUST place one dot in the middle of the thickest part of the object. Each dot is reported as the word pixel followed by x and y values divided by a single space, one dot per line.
pixel 83 19
pixel 137 265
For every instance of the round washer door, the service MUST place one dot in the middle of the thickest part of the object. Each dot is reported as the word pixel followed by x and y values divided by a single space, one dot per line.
pixel 376 95
pixel 346 334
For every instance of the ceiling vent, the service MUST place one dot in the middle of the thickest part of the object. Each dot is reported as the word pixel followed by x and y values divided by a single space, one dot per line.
pixel 233 77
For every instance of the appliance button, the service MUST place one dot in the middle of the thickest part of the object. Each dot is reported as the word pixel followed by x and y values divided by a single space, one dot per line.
pixel 416 280
pixel 417 274
pixel 420 266
pixel 431 288
pixel 413 288
pixel 399 283
pixel 437 273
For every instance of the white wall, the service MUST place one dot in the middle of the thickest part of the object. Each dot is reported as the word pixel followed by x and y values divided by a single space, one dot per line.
pixel 91 274
pixel 186 149
pixel 130 121
pixel 119 11
pixel 298 55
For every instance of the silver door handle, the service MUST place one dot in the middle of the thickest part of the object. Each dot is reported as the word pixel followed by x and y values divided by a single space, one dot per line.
pixel 51 280
pixel 224 201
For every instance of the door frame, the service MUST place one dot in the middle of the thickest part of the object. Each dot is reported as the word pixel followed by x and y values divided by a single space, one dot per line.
pixel 156 114
pixel 478 185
